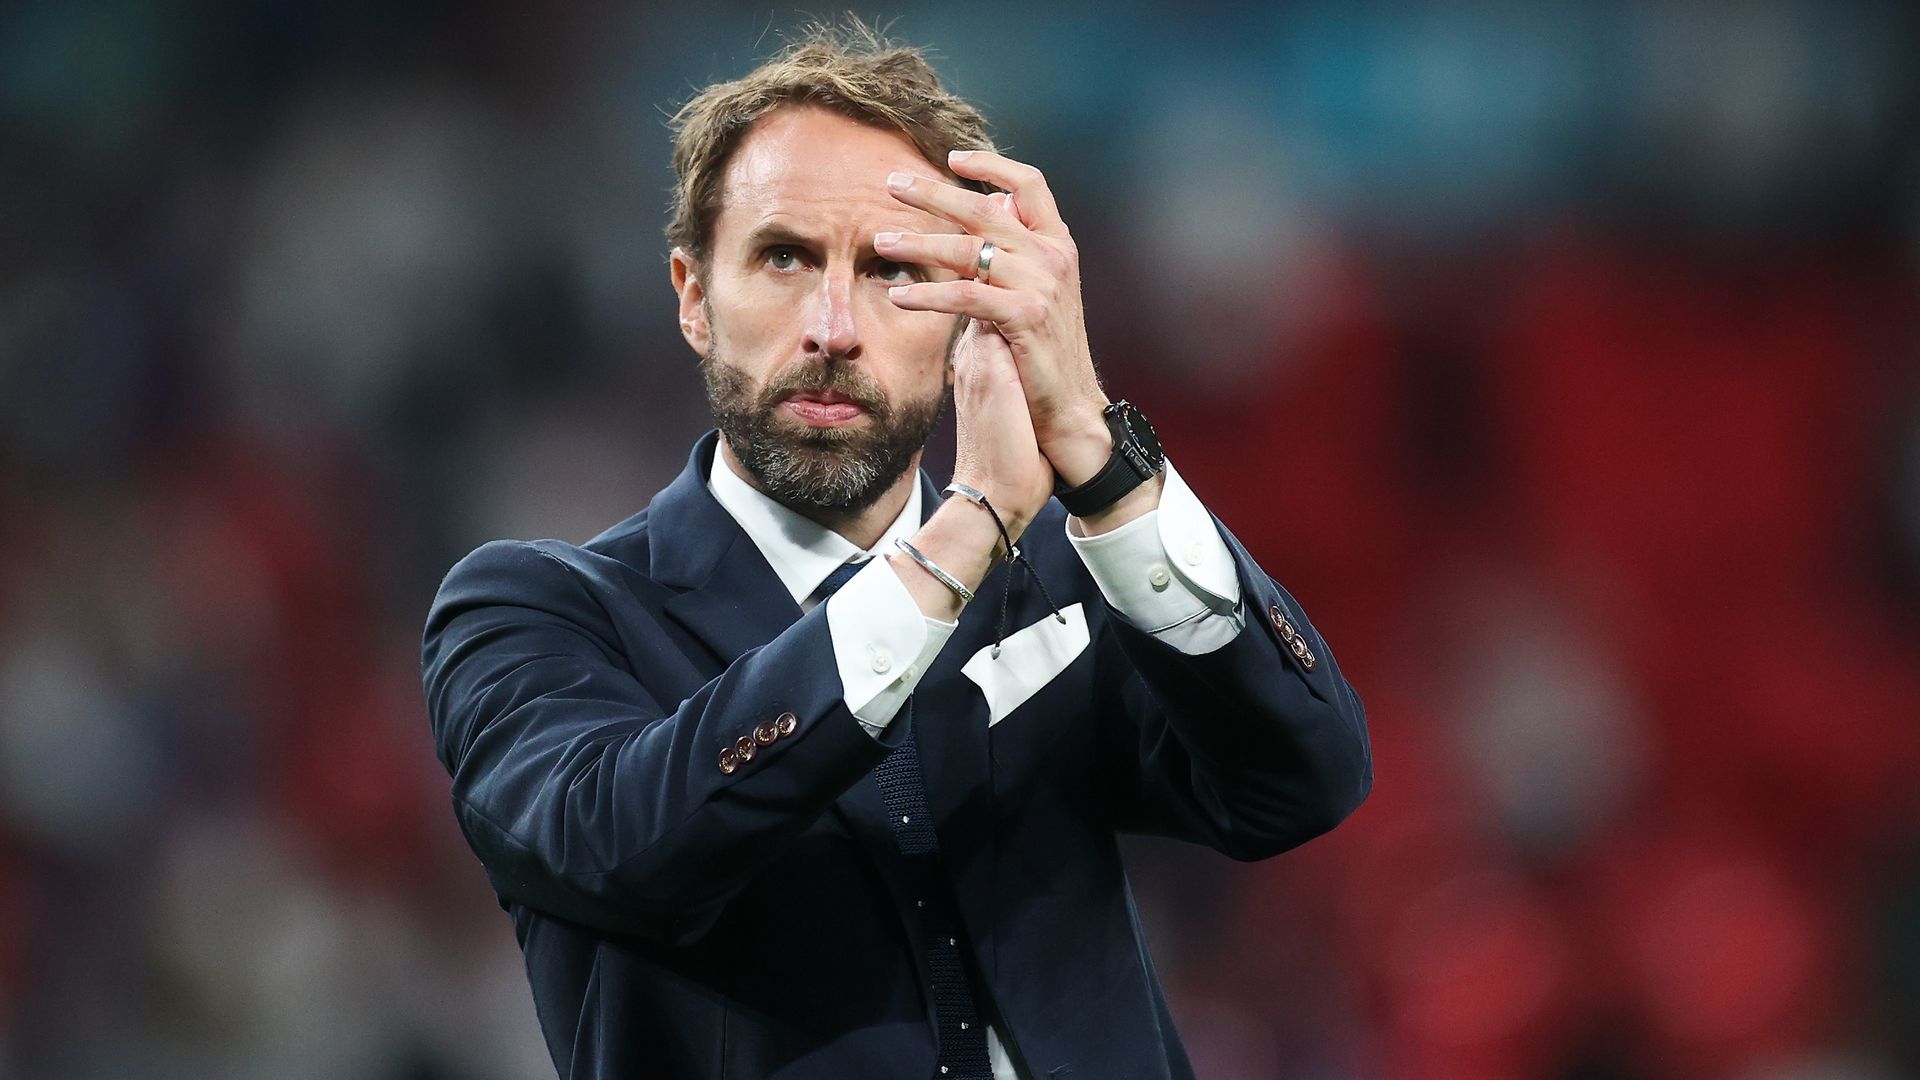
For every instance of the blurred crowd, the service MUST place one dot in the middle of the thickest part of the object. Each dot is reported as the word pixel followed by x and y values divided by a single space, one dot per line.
pixel 1561 358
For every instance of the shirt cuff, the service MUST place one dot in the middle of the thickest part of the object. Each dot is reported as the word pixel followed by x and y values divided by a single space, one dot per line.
pixel 882 643
pixel 1168 571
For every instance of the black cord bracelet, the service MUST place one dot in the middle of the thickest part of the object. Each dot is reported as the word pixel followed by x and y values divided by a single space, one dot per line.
pixel 1014 554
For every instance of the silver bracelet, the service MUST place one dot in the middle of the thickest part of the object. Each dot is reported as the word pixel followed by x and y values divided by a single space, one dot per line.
pixel 979 499
pixel 971 494
pixel 965 594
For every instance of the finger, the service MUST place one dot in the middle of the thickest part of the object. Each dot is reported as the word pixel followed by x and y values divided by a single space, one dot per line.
pixel 963 297
pixel 972 211
pixel 1028 185
pixel 957 252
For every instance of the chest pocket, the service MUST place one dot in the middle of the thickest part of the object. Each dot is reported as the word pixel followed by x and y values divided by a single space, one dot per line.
pixel 1030 658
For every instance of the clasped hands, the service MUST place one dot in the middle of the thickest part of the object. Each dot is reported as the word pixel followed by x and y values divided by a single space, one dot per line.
pixel 1026 398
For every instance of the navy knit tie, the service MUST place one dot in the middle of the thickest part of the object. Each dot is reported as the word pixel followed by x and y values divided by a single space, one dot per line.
pixel 840 576
pixel 963 1038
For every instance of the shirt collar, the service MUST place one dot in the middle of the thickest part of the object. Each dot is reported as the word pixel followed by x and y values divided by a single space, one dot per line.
pixel 801 552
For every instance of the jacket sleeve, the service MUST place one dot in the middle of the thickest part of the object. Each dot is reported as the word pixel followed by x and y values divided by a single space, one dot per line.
pixel 1245 748
pixel 586 797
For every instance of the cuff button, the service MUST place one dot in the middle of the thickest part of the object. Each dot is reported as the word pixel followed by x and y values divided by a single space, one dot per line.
pixel 786 723
pixel 766 733
pixel 729 760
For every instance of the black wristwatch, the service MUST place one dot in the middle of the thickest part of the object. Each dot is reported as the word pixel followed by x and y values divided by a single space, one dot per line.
pixel 1137 458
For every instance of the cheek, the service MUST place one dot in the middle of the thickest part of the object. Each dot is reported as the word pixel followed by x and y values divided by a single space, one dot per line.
pixel 746 330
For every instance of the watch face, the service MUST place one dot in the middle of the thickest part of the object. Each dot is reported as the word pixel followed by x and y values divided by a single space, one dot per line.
pixel 1143 434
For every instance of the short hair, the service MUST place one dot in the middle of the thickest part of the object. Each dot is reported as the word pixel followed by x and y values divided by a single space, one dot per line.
pixel 854 71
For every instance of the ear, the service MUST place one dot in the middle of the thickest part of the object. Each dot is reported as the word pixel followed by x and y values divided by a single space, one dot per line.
pixel 693 307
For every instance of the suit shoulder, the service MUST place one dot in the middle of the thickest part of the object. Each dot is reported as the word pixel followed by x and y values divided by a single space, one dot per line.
pixel 553 578
pixel 600 560
pixel 508 571
pixel 614 539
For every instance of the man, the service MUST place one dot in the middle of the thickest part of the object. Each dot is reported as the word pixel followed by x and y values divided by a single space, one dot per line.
pixel 765 795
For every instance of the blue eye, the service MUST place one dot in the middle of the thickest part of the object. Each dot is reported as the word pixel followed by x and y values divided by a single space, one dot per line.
pixel 781 258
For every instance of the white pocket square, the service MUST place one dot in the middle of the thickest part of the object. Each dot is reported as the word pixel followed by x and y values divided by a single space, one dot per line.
pixel 1029 659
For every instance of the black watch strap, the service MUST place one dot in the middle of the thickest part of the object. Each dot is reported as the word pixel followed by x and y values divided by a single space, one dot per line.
pixel 1133 463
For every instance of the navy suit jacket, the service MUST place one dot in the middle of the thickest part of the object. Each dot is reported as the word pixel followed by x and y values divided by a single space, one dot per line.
pixel 679 921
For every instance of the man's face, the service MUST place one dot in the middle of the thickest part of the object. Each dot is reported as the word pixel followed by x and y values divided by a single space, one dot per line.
pixel 825 391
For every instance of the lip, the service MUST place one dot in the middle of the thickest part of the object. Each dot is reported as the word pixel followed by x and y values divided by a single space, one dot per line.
pixel 824 409
pixel 823 397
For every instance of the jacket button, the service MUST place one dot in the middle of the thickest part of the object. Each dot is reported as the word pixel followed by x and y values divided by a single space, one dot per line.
pixel 1304 654
pixel 729 760
pixel 786 723
pixel 746 748
pixel 1282 624
pixel 766 733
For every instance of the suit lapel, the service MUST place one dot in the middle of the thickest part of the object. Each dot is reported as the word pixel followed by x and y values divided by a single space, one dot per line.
pixel 733 602
pixel 741 607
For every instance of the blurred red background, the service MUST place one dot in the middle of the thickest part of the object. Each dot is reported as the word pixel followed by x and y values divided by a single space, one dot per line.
pixel 1561 359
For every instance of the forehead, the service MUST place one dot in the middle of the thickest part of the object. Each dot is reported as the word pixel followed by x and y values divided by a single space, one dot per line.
pixel 822 173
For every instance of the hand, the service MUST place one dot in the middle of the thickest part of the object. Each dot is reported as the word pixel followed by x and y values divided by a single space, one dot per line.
pixel 995 449
pixel 1032 296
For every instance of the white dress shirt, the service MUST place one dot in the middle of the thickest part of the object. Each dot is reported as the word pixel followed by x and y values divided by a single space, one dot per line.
pixel 1167 572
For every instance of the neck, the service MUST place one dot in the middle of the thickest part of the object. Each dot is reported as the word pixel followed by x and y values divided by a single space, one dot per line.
pixel 862 528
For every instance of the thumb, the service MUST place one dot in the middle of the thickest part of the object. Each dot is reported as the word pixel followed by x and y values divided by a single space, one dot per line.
pixel 990 346
pixel 980 344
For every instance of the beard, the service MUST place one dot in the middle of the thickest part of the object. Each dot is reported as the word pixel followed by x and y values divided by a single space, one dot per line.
pixel 836 470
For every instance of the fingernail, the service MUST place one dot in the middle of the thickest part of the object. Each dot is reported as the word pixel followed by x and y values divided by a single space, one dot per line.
pixel 899 181
pixel 896 292
pixel 885 239
pixel 959 155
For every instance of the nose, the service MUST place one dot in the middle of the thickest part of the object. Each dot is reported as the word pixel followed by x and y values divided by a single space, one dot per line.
pixel 831 329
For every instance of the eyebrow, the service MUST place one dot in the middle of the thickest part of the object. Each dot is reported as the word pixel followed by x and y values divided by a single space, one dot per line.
pixel 772 233
pixel 779 233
